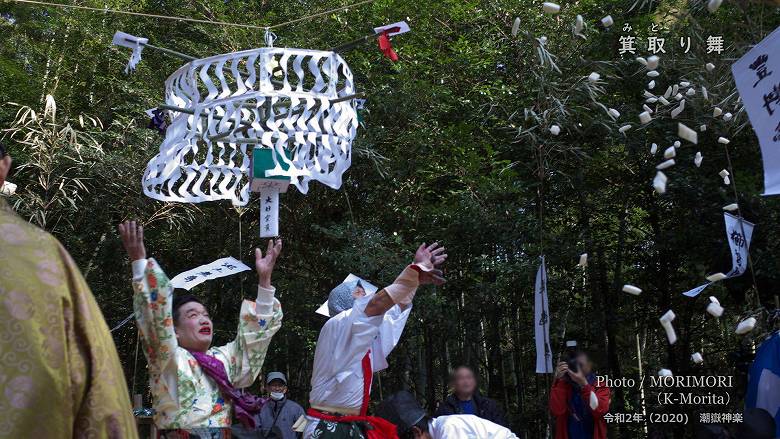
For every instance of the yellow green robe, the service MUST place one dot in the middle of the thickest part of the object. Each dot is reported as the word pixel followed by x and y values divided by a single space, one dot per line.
pixel 60 375
pixel 184 397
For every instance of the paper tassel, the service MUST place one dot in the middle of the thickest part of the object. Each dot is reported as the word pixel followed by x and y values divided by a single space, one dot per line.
pixel 716 112
pixel 593 77
pixel 678 97
pixel 665 373
pixel 677 144
pixel 670 152
pixel 726 180
pixel 713 5
pixel 551 8
pixel 731 207
pixel 709 66
pixel 641 60
pixel 702 128
pixel 659 182
pixel 724 173
pixel 676 112
pixel 614 113
pixel 555 130
pixel 705 94
pixel 723 140
pixel 624 128
pixel 579 26
pixel 675 89
pixel 698 159
pixel 652 100
pixel 690 92
pixel 663 100
pixel 132 42
pixel 651 84
pixel 543 40
pixel 647 94
pixel 715 310
pixel 697 358
pixel 666 322
pixel 630 289
pixel 652 62
pixel 648 109
pixel 715 277
pixel 607 21
pixel 684 84
pixel 665 164
pixel 645 117
pixel 583 260
pixel 668 92
pixel 687 133
pixel 727 117
pixel 516 27
pixel 653 148
pixel 714 299
pixel 653 74
pixel 594 401
pixel 746 326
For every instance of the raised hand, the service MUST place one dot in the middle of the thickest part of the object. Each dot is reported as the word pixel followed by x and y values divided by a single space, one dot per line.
pixel 265 264
pixel 428 258
pixel 132 235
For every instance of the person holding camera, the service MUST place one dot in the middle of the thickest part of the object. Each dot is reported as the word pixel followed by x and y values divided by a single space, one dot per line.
pixel 577 400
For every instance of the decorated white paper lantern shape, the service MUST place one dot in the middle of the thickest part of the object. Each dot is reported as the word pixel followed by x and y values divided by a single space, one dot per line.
pixel 297 103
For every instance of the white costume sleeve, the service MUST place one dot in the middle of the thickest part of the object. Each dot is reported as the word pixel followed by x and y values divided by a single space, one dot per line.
pixel 389 334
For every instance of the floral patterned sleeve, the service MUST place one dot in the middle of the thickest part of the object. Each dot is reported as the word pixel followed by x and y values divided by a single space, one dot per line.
pixel 153 303
pixel 258 322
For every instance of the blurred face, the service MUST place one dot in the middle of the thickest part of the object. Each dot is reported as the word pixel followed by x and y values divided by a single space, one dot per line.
pixel 359 292
pixel 193 327
pixel 277 386
pixel 585 365
pixel 5 166
pixel 464 383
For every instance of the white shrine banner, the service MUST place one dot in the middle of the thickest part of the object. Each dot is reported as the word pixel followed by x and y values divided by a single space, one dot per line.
pixel 219 268
pixel 757 75
pixel 542 322
pixel 738 233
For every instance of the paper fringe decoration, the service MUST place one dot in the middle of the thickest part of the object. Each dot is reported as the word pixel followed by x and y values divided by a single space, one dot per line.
pixel 516 27
pixel 731 207
pixel 659 182
pixel 652 62
pixel 713 5
pixel 236 101
pixel 697 358
pixel 607 21
pixel 723 140
pixel 644 117
pixel 132 42
pixel 583 260
pixel 551 8
pixel 698 159
pixel 709 66
pixel 687 133
pixel 665 373
pixel 555 130
pixel 665 164
pixel 715 277
pixel 670 152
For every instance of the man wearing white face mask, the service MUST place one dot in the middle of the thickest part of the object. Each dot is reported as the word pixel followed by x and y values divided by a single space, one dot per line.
pixel 279 413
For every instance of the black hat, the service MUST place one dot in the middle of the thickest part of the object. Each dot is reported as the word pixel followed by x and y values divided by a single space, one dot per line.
pixel 402 409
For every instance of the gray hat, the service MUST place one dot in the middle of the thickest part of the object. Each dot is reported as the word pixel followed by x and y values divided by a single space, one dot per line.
pixel 275 376
pixel 340 298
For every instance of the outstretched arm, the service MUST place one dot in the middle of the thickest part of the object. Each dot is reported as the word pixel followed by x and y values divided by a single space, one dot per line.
pixel 257 324
pixel 424 270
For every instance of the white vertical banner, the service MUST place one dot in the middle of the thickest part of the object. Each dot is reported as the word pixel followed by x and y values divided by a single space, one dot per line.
pixel 269 212
pixel 542 322
pixel 738 233
pixel 757 75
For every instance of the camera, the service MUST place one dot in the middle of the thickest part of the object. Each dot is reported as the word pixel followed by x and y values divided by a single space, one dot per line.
pixel 571 355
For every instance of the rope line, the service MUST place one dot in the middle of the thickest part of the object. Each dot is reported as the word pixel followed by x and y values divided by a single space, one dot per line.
pixel 192 20
pixel 123 322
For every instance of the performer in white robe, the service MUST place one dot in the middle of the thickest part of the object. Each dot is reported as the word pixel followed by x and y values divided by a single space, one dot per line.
pixel 355 342
pixel 403 410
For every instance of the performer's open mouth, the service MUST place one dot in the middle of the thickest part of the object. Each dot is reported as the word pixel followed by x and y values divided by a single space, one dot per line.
pixel 205 330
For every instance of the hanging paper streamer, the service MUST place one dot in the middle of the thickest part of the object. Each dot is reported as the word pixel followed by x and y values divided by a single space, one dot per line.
pixel 542 322
pixel 133 42
pixel 298 103
pixel 757 75
pixel 738 233
pixel 219 268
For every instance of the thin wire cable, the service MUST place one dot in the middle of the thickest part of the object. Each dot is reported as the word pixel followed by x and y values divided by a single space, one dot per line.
pixel 123 322
pixel 192 20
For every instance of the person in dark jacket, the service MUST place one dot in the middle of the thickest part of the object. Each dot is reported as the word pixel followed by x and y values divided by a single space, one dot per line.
pixel 466 400
pixel 280 414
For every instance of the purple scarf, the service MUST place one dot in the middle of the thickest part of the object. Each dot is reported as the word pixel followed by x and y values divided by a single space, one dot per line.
pixel 246 405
